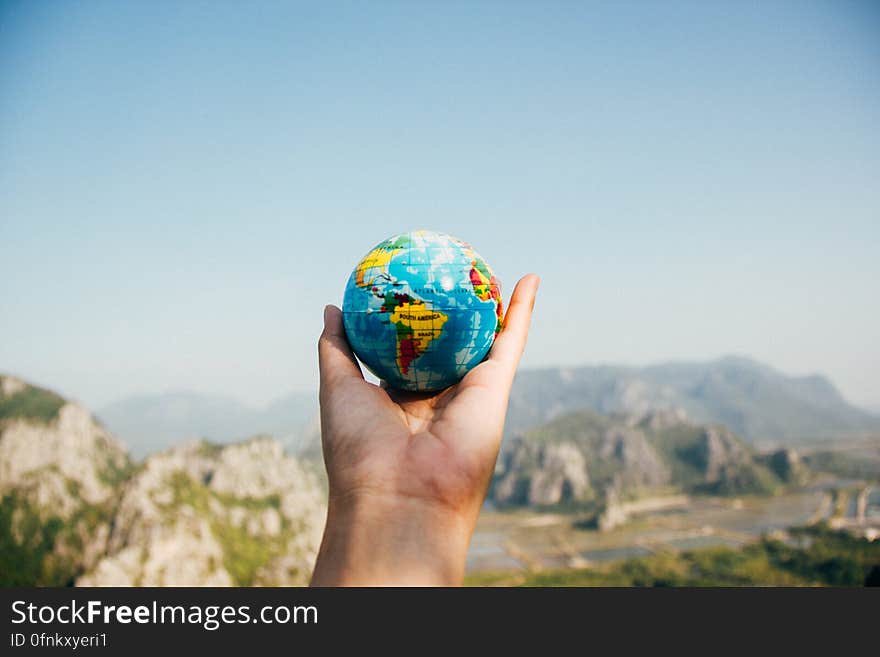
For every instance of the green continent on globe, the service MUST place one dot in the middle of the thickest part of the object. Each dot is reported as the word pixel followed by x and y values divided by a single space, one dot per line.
pixel 421 309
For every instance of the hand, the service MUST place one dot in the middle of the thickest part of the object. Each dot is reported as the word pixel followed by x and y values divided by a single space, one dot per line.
pixel 408 472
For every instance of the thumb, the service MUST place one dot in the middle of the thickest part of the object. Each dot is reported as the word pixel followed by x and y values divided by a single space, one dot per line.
pixel 336 360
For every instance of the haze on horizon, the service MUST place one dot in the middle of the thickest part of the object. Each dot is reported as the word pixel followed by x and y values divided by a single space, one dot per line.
pixel 183 186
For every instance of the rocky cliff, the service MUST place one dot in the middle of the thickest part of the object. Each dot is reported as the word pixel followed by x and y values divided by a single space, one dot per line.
pixel 583 457
pixel 205 515
pixel 75 509
pixel 59 474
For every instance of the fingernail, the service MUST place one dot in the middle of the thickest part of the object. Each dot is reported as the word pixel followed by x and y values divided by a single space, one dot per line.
pixel 326 313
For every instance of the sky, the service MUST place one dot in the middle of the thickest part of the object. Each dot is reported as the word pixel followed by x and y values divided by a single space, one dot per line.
pixel 184 185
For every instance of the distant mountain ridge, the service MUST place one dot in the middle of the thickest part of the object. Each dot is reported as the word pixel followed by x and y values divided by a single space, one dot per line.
pixel 150 423
pixel 758 403
pixel 753 400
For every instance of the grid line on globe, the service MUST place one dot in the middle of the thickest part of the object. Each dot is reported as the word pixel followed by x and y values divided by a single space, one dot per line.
pixel 421 309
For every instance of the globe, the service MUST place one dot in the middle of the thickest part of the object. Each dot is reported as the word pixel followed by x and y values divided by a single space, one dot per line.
pixel 421 309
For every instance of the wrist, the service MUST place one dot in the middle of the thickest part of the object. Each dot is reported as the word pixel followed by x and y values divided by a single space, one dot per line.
pixel 378 539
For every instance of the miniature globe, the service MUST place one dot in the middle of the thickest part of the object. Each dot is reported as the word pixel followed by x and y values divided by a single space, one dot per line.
pixel 421 309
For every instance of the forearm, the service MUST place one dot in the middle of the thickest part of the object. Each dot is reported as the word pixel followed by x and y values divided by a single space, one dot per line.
pixel 376 540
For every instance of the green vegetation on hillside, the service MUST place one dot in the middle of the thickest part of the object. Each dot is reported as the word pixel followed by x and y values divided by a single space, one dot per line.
pixel 745 479
pixel 42 549
pixel 680 449
pixel 31 403
pixel 576 425
pixel 27 542
pixel 243 552
pixel 815 556
pixel 113 473
pixel 684 451
pixel 844 465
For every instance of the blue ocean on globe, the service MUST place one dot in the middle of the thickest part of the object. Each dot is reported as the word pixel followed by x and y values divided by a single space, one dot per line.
pixel 421 309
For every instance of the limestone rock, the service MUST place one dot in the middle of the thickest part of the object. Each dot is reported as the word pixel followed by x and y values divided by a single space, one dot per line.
pixel 612 513
pixel 719 450
pixel 200 514
pixel 561 477
pixel 61 463
pixel 629 458
pixel 59 471
pixel 545 474
pixel 194 515
pixel 786 464
pixel 640 466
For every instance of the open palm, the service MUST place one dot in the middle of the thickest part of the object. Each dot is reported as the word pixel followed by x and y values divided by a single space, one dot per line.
pixel 437 448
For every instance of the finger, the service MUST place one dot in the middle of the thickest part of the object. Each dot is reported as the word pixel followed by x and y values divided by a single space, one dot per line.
pixel 511 342
pixel 336 360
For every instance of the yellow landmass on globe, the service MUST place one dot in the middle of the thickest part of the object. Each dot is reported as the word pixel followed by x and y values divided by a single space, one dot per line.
pixel 416 326
pixel 378 260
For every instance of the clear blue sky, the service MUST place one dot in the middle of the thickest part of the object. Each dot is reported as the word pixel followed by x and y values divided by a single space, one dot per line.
pixel 183 185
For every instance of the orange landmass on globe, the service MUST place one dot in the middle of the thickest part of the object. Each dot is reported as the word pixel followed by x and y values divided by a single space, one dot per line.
pixel 486 287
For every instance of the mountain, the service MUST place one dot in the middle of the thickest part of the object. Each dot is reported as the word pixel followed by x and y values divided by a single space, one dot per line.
pixel 202 514
pixel 755 401
pixel 59 477
pixel 149 423
pixel 76 509
pixel 586 457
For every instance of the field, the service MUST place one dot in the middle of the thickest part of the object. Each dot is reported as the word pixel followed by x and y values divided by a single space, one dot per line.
pixel 808 556
pixel 678 540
